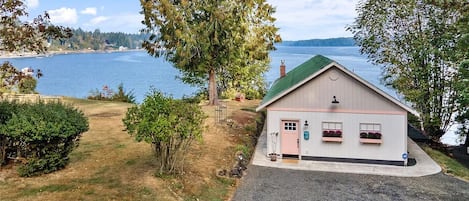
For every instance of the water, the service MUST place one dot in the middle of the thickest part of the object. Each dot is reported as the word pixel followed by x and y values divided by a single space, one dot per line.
pixel 76 75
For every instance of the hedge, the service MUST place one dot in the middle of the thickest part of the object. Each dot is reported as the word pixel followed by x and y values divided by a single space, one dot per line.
pixel 42 133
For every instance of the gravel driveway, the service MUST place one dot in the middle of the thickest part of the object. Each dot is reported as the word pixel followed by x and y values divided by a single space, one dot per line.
pixel 266 183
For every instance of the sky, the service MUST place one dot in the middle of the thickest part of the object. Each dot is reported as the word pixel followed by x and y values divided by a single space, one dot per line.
pixel 297 19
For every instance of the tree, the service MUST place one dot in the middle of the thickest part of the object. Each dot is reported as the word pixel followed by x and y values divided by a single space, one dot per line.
pixel 414 42
pixel 169 125
pixel 209 38
pixel 463 76
pixel 19 36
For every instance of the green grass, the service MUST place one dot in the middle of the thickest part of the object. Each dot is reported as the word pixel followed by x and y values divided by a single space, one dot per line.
pixel 247 151
pixel 449 165
pixel 48 188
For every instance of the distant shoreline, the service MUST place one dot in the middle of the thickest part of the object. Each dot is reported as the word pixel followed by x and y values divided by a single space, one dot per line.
pixel 17 55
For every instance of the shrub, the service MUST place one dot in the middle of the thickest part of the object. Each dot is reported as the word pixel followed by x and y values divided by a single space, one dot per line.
pixel 169 125
pixel 123 96
pixel 47 134
pixel 109 95
pixel 27 85
pixel 7 110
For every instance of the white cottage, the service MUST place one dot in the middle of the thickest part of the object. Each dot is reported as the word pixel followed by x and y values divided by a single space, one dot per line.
pixel 322 111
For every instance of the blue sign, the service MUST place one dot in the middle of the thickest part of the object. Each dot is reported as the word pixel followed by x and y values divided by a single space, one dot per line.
pixel 404 156
pixel 306 135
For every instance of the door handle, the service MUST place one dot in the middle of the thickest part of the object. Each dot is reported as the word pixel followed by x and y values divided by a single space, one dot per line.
pixel 298 143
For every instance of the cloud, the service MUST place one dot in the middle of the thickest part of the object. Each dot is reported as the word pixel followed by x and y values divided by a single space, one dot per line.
pixel 89 11
pixel 98 20
pixel 63 16
pixel 128 23
pixel 308 19
pixel 32 4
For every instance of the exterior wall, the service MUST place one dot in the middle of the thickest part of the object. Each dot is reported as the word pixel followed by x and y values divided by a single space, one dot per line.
pixel 393 129
pixel 354 97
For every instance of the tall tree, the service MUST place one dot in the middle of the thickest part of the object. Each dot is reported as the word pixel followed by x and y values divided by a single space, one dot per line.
pixel 209 38
pixel 18 35
pixel 414 42
pixel 463 75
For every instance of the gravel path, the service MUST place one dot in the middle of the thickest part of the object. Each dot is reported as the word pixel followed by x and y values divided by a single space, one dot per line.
pixel 266 183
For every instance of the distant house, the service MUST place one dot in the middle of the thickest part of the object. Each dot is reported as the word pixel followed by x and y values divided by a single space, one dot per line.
pixel 322 111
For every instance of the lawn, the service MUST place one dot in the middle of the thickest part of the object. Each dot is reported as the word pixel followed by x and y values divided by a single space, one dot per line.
pixel 110 165
pixel 448 164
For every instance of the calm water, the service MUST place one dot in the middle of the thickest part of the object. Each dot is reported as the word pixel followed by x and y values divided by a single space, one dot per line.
pixel 76 75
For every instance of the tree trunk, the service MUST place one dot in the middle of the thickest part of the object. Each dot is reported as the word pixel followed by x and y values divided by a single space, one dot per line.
pixel 212 88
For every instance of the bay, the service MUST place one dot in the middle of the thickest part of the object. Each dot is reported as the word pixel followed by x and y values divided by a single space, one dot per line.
pixel 75 75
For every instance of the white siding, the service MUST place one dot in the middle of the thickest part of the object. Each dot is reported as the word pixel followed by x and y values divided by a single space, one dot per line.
pixel 352 95
pixel 393 129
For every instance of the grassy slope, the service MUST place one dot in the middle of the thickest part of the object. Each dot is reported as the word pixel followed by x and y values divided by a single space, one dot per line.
pixel 449 165
pixel 110 165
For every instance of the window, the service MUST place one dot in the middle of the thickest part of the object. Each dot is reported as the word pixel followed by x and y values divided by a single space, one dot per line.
pixel 332 131
pixel 370 133
pixel 290 126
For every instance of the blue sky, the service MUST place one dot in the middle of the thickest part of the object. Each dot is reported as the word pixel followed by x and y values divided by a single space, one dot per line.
pixel 297 19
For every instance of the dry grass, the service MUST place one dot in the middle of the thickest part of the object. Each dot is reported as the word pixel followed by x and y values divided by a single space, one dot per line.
pixel 110 165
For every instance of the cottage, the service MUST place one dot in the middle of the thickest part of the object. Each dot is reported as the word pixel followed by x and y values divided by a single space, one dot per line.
pixel 322 111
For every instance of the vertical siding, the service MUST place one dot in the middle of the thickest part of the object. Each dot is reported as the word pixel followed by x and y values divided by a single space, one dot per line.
pixel 352 95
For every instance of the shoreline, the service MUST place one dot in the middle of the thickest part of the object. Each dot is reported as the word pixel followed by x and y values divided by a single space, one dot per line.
pixel 17 55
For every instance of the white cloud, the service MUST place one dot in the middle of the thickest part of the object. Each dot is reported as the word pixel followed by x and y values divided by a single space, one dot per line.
pixel 64 16
pixel 32 4
pixel 89 11
pixel 306 19
pixel 98 20
pixel 128 23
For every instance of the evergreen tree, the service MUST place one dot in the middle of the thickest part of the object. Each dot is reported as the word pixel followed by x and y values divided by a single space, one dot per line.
pixel 209 38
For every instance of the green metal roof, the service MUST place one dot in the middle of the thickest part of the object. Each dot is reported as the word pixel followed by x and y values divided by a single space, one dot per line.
pixel 297 75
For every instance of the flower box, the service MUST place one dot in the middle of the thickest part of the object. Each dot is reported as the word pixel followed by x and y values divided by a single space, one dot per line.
pixel 332 133
pixel 370 141
pixel 332 139
pixel 370 135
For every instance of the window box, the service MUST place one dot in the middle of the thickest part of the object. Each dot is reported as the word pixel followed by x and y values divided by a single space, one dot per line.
pixel 331 139
pixel 332 136
pixel 370 135
pixel 332 133
pixel 370 141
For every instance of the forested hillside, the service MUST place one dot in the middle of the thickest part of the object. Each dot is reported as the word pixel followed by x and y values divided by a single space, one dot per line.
pixel 97 40
pixel 321 42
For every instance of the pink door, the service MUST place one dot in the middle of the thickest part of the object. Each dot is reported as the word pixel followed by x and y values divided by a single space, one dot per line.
pixel 290 137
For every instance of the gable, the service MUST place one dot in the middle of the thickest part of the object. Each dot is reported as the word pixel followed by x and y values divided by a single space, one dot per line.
pixel 314 68
pixel 353 96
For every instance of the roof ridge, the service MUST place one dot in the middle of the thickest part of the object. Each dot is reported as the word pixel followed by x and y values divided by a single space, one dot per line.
pixel 296 75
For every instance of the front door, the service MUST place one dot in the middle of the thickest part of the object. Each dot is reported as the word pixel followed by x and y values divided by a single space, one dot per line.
pixel 290 138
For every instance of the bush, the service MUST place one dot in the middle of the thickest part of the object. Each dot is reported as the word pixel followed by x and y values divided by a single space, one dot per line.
pixel 7 110
pixel 109 95
pixel 27 85
pixel 169 125
pixel 44 134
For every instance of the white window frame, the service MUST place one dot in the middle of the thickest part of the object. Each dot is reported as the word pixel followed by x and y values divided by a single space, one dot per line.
pixel 370 128
pixel 332 126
